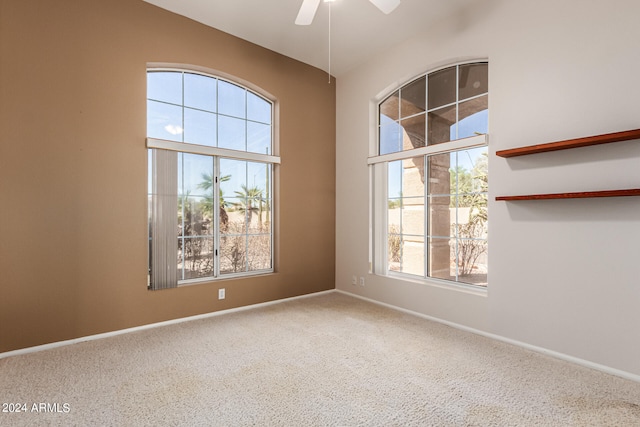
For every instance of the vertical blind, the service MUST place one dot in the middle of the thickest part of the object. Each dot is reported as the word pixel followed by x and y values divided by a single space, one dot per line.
pixel 164 222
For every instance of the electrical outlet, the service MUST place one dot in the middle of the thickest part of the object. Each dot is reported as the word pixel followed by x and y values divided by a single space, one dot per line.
pixel 361 281
pixel 221 293
pixel 354 280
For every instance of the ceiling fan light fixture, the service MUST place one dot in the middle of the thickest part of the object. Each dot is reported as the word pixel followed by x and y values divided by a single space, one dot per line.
pixel 309 8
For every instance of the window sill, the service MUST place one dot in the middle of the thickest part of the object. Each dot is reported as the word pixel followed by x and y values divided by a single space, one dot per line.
pixel 224 278
pixel 442 284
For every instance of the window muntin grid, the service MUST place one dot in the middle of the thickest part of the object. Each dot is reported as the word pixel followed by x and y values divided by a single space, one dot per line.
pixel 447 215
pixel 217 234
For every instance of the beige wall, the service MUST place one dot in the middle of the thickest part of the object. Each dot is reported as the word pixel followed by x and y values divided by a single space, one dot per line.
pixel 73 252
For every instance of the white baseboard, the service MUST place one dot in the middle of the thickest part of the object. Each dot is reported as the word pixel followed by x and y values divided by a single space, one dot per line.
pixel 152 325
pixel 542 350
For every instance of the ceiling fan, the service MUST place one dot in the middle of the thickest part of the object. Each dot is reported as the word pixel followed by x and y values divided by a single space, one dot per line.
pixel 309 8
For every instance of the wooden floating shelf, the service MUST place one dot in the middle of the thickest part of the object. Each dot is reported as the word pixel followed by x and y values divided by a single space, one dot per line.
pixel 580 195
pixel 572 143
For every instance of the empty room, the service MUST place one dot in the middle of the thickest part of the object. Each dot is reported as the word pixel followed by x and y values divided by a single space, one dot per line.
pixel 427 214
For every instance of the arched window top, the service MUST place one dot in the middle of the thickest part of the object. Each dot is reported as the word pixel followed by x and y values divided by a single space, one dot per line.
pixel 196 108
pixel 437 107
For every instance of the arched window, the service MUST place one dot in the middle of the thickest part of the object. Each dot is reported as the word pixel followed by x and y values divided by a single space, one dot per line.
pixel 210 186
pixel 431 178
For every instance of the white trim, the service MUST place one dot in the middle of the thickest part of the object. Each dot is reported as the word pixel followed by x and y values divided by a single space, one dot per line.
pixel 458 144
pixel 541 350
pixel 183 147
pixel 57 344
pixel 379 227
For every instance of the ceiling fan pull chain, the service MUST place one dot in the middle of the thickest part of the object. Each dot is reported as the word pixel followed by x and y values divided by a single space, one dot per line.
pixel 329 72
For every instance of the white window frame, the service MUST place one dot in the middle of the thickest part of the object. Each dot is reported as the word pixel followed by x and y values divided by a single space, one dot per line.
pixel 216 154
pixel 378 178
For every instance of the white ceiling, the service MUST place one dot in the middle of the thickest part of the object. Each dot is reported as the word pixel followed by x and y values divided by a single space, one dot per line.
pixel 358 29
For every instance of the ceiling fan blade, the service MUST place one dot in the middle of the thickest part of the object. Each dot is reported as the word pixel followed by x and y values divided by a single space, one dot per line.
pixel 386 6
pixel 307 12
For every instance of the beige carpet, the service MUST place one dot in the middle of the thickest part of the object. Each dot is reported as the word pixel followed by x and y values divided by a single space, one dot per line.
pixel 328 360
